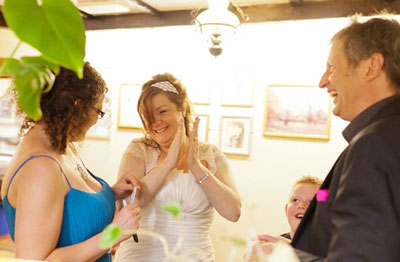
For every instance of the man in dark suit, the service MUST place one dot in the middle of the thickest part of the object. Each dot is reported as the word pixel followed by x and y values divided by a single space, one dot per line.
pixel 359 221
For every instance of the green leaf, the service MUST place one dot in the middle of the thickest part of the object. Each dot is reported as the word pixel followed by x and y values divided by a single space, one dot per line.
pixel 110 236
pixel 31 79
pixel 41 65
pixel 11 67
pixel 29 91
pixel 173 208
pixel 55 28
pixel 235 240
pixel 41 61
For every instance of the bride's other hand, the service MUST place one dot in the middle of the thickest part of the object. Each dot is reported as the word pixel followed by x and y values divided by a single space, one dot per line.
pixel 193 152
pixel 175 147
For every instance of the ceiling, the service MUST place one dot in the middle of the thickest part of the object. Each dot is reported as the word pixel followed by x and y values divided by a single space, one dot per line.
pixel 94 7
pixel 109 14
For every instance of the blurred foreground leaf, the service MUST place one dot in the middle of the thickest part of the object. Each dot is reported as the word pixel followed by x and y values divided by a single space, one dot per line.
pixel 110 236
pixel 33 75
pixel 235 240
pixel 173 208
pixel 55 28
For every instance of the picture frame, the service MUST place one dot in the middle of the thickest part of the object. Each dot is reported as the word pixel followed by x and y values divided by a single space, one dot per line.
pixel 297 111
pixel 102 129
pixel 7 109
pixel 200 92
pixel 128 116
pixel 203 127
pixel 235 135
pixel 238 89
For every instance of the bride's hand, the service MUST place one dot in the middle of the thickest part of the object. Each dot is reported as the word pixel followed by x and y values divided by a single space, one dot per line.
pixel 174 149
pixel 193 152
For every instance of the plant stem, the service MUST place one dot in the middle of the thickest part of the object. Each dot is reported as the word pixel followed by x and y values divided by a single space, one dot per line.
pixel 152 234
pixel 16 48
pixel 180 237
pixel 196 251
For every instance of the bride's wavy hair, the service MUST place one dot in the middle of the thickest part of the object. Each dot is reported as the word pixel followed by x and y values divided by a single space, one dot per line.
pixel 179 98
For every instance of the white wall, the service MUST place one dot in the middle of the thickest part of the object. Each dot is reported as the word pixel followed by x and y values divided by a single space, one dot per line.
pixel 292 52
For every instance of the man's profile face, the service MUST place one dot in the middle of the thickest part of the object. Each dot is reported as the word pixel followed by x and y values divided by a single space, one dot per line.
pixel 343 83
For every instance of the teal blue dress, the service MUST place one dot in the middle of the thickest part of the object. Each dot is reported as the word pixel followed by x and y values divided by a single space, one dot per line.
pixel 85 214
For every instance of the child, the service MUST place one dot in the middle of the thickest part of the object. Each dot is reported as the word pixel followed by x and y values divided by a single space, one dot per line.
pixel 300 196
pixel 303 191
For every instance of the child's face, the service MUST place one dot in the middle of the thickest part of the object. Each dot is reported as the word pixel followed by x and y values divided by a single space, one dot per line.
pixel 299 199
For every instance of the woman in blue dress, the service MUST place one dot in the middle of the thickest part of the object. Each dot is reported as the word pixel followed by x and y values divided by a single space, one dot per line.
pixel 55 207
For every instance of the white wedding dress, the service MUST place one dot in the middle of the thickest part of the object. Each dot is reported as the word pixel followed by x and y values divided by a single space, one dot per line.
pixel 196 216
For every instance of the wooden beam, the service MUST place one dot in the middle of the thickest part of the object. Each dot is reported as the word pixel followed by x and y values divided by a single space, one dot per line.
pixel 319 9
pixel 139 20
pixel 149 7
pixel 258 13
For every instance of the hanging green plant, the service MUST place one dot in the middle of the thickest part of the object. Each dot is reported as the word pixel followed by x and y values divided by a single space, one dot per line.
pixel 55 28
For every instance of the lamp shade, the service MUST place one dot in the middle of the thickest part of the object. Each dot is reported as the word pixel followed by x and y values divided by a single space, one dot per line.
pixel 217 24
pixel 224 22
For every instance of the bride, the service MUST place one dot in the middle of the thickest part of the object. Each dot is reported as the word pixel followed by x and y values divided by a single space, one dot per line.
pixel 173 166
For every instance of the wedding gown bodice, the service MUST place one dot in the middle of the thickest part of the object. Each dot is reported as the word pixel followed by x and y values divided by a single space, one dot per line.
pixel 195 218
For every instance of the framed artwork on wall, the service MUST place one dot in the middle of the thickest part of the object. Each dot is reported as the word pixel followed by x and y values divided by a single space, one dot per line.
pixel 238 88
pixel 101 130
pixel 235 135
pixel 295 111
pixel 199 92
pixel 203 127
pixel 7 110
pixel 128 116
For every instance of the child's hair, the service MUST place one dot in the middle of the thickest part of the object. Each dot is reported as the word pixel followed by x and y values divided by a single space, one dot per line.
pixel 308 180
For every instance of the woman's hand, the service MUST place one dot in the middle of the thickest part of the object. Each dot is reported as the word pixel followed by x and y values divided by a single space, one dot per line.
pixel 193 160
pixel 254 256
pixel 124 186
pixel 128 219
pixel 272 239
pixel 174 149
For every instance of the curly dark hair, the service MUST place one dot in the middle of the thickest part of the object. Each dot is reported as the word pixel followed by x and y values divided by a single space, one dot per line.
pixel 181 101
pixel 66 107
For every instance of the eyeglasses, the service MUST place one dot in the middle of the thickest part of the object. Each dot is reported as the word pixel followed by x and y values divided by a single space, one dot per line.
pixel 99 112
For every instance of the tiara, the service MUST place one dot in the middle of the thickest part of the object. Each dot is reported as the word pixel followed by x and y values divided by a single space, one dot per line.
pixel 165 86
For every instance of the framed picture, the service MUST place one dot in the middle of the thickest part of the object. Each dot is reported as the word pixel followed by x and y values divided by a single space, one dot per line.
pixel 199 92
pixel 203 127
pixel 235 135
pixel 101 130
pixel 7 110
pixel 237 90
pixel 128 116
pixel 297 112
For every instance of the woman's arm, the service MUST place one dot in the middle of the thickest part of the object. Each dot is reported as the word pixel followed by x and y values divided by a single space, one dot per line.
pixel 40 193
pixel 89 250
pixel 218 187
pixel 151 183
pixel 132 165
pixel 220 190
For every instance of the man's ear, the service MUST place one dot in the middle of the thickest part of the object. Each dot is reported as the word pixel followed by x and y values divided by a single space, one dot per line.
pixel 375 65
pixel 286 207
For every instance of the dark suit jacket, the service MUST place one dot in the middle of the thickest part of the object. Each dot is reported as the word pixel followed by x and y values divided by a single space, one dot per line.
pixel 360 221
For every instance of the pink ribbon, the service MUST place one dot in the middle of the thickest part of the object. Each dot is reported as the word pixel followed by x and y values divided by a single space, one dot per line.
pixel 322 195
